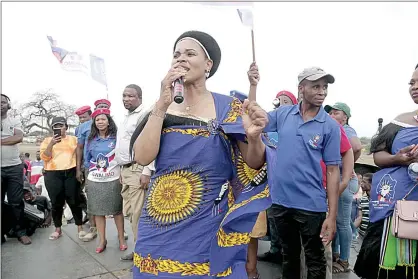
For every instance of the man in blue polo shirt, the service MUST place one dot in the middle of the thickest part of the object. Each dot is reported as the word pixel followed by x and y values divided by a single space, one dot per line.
pixel 306 135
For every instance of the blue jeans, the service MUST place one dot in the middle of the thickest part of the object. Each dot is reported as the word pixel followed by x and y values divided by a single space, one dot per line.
pixel 344 235
pixel 353 229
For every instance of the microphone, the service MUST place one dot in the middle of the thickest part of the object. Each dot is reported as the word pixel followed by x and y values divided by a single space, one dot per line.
pixel 276 103
pixel 179 90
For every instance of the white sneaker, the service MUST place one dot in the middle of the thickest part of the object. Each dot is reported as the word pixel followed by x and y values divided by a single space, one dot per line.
pixel 92 234
pixel 81 234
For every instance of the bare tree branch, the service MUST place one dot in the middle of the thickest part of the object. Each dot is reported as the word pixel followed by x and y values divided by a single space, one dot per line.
pixel 43 106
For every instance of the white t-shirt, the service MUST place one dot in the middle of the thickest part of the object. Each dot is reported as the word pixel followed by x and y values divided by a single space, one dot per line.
pixel 41 184
pixel 10 153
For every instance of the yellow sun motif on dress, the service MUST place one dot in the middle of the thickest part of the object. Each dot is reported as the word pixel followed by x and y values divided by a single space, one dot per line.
pixel 245 173
pixel 234 112
pixel 175 196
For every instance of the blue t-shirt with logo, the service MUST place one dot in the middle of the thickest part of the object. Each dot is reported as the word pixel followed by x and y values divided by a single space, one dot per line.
pixel 392 184
pixel 273 137
pixel 100 157
pixel 82 134
pixel 296 181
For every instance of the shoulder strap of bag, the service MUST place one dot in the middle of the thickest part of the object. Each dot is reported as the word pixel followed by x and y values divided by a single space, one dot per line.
pixel 410 191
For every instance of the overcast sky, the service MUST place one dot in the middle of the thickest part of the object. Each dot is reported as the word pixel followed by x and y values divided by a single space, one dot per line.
pixel 370 48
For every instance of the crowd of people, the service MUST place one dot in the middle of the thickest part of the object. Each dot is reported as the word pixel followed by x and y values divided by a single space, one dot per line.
pixel 203 180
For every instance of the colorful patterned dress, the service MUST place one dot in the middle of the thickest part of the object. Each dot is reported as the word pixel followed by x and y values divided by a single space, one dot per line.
pixel 203 200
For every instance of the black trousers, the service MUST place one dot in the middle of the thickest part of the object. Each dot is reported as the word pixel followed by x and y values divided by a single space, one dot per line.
pixel 292 225
pixel 63 186
pixel 275 246
pixel 83 198
pixel 12 184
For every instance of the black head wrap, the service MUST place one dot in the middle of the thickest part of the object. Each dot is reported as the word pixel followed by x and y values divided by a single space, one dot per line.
pixel 209 43
pixel 214 52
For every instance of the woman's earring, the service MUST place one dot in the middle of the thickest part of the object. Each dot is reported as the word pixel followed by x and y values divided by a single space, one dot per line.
pixel 207 73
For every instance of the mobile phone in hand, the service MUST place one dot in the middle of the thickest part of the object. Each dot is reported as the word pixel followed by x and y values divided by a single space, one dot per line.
pixel 57 132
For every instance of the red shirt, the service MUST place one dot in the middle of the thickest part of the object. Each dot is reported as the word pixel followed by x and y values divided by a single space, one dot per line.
pixel 345 145
pixel 27 163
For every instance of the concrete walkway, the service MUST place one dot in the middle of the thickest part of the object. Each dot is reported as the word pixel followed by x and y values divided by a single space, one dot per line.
pixel 66 258
pixel 70 258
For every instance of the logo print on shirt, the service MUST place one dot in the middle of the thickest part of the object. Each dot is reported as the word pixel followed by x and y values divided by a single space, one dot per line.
pixel 111 144
pixel 386 189
pixel 102 162
pixel 314 141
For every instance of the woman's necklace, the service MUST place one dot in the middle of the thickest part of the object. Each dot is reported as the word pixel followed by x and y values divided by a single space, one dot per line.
pixel 188 107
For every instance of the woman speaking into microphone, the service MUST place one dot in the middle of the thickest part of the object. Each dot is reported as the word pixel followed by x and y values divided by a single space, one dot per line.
pixel 207 190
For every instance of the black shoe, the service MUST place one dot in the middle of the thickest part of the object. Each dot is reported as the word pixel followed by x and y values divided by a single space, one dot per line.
pixel 270 257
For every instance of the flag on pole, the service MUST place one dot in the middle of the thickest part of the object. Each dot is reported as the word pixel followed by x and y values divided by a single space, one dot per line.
pixel 72 61
pixel 75 62
pixel 98 71
pixel 245 13
pixel 69 60
pixel 246 16
pixel 58 52
pixel 245 10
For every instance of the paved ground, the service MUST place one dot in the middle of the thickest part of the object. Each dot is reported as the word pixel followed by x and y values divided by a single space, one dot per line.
pixel 271 271
pixel 69 258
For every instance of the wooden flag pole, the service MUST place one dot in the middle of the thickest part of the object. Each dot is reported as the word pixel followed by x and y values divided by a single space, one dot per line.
pixel 252 95
pixel 107 89
pixel 253 44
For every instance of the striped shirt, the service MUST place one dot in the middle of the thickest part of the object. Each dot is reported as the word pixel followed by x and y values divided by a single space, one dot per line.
pixel 36 173
pixel 364 207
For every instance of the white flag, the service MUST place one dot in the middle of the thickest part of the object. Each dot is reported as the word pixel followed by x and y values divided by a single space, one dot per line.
pixel 246 16
pixel 75 62
pixel 245 10
pixel 98 71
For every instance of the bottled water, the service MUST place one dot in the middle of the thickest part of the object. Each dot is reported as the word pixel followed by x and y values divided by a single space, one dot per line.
pixel 413 171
